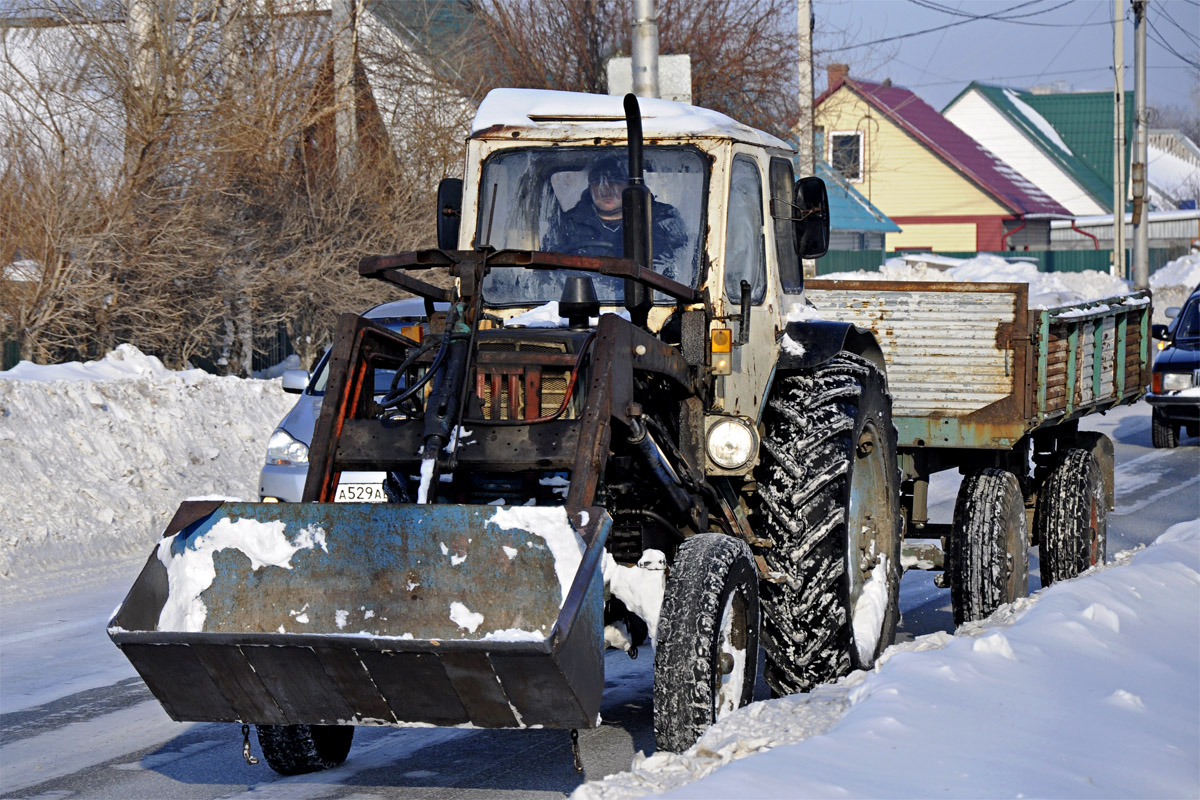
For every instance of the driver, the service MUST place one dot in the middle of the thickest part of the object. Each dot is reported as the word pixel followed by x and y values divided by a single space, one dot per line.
pixel 592 227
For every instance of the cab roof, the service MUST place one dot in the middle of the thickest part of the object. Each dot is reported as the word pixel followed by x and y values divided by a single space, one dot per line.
pixel 555 115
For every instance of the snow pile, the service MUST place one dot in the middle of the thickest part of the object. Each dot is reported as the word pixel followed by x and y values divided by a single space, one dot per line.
pixel 1046 289
pixel 980 714
pixel 1173 282
pixel 99 455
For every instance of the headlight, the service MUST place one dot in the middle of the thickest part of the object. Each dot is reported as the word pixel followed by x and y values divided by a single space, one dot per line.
pixel 731 443
pixel 1173 381
pixel 284 449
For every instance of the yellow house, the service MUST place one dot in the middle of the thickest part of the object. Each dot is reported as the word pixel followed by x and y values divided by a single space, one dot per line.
pixel 938 184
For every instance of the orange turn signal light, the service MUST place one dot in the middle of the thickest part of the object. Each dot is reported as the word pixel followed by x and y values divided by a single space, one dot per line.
pixel 722 340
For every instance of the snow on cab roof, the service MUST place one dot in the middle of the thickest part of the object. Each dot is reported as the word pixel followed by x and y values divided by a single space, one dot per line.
pixel 575 114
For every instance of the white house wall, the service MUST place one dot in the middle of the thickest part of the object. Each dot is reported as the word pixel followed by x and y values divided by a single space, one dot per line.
pixel 982 122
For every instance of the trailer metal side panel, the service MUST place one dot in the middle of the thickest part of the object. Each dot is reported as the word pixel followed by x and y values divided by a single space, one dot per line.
pixel 971 366
pixel 956 354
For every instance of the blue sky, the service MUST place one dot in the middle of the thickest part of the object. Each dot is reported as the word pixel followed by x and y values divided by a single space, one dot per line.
pixel 1042 42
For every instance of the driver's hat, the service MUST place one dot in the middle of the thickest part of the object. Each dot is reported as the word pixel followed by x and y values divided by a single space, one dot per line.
pixel 609 168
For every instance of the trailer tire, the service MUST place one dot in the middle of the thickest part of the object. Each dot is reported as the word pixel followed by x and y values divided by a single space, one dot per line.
pixel 987 554
pixel 1071 518
pixel 706 658
pixel 1163 432
pixel 295 749
pixel 827 500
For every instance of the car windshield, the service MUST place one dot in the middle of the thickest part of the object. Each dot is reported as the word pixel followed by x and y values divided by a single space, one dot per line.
pixel 567 200
pixel 383 377
pixel 1187 325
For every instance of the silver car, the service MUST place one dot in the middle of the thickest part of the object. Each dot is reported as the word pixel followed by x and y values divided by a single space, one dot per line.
pixel 286 469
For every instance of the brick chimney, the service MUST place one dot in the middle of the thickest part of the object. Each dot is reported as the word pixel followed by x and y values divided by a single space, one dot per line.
pixel 837 73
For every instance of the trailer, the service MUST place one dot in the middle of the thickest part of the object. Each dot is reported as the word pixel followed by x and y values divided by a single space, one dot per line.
pixel 984 384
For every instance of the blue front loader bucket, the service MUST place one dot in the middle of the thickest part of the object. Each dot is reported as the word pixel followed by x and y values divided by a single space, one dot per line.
pixel 372 614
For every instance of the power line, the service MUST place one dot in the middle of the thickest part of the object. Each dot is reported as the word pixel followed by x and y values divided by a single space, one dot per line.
pixel 1016 19
pixel 931 30
pixel 1162 40
pixel 1161 10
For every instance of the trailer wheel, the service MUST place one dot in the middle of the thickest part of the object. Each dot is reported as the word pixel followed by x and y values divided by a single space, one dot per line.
pixel 1071 517
pixel 294 749
pixel 987 555
pixel 1163 432
pixel 706 659
pixel 827 499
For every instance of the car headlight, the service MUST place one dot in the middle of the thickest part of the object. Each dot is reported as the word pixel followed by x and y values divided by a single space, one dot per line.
pixel 284 449
pixel 1174 381
pixel 731 443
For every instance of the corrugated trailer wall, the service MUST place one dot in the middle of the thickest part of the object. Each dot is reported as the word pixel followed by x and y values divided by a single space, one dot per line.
pixel 970 365
pixel 956 354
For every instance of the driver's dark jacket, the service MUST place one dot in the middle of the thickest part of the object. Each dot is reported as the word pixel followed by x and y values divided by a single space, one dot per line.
pixel 580 231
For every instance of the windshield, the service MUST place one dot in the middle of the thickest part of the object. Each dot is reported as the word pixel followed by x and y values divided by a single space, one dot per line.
pixel 1187 324
pixel 567 200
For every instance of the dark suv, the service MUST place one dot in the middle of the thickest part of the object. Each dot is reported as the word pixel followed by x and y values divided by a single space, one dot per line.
pixel 1175 383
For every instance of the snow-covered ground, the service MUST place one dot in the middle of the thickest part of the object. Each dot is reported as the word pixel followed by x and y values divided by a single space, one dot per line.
pixel 1089 688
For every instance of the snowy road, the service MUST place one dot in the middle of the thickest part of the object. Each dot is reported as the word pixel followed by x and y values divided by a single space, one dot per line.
pixel 76 722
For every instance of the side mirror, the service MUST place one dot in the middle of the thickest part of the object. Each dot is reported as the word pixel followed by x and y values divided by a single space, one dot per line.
pixel 1172 312
pixel 449 212
pixel 810 215
pixel 294 380
pixel 1159 331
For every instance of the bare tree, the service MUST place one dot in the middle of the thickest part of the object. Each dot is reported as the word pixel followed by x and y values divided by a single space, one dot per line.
pixel 206 211
pixel 743 52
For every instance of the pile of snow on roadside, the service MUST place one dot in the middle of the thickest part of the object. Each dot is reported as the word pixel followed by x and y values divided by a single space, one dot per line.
pixel 1116 647
pixel 1173 282
pixel 97 456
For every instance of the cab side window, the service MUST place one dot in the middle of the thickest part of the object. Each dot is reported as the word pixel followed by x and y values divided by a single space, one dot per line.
pixel 745 248
pixel 782 183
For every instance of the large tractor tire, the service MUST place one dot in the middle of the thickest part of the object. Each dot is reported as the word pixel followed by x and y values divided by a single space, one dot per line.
pixel 1163 432
pixel 706 659
pixel 1071 520
pixel 987 554
pixel 828 499
pixel 295 749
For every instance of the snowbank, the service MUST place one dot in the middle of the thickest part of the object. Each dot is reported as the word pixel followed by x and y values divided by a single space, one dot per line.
pixel 97 456
pixel 1173 282
pixel 980 714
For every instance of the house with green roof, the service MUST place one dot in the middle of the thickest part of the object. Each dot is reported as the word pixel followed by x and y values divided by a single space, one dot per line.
pixel 1062 143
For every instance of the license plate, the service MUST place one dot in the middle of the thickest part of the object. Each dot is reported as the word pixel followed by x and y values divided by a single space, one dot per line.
pixel 361 488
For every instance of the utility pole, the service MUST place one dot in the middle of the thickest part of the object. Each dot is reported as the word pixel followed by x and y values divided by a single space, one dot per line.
pixel 345 53
pixel 1141 147
pixel 1118 265
pixel 645 48
pixel 804 125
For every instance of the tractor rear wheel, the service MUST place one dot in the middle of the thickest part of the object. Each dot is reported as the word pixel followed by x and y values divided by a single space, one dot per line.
pixel 295 749
pixel 828 500
pixel 706 658
pixel 987 554
pixel 1071 518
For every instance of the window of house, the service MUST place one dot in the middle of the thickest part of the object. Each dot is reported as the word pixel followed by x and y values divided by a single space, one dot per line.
pixel 846 154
